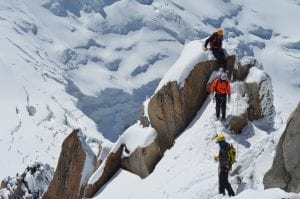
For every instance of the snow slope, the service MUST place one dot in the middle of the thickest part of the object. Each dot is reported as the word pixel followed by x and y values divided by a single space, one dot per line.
pixel 188 170
pixel 36 112
pixel 61 62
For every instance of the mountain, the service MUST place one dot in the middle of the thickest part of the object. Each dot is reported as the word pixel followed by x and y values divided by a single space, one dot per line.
pixel 187 169
pixel 90 64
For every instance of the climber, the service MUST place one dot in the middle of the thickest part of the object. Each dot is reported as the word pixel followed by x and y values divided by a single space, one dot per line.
pixel 219 90
pixel 224 166
pixel 215 43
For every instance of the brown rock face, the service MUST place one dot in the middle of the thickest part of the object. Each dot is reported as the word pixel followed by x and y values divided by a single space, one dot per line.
pixel 260 105
pixel 252 89
pixel 241 72
pixel 144 120
pixel 172 108
pixel 143 160
pixel 285 171
pixel 254 109
pixel 259 93
pixel 237 123
pixel 166 115
pixel 111 166
pixel 3 184
pixel 243 66
pixel 68 180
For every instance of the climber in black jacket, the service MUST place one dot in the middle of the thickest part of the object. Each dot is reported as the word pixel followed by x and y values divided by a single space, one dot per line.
pixel 215 43
pixel 224 166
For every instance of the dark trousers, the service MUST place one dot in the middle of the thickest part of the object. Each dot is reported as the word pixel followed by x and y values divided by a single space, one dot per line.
pixel 220 104
pixel 223 182
pixel 220 57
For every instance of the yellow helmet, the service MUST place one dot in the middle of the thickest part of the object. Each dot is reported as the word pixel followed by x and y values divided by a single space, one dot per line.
pixel 219 31
pixel 220 138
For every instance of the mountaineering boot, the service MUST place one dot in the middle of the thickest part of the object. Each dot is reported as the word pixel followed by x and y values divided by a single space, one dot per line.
pixel 230 190
pixel 222 193
pixel 231 194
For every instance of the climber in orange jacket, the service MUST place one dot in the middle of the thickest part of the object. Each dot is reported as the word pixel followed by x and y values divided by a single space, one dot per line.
pixel 219 90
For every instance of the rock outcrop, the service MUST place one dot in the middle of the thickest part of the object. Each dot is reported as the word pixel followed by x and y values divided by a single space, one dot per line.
pixel 98 158
pixel 172 108
pixel 170 111
pixel 285 171
pixel 32 183
pixel 260 94
pixel 238 123
pixel 76 163
pixel 254 109
pixel 105 172
pixel 143 160
pixel 143 119
pixel 255 85
pixel 241 71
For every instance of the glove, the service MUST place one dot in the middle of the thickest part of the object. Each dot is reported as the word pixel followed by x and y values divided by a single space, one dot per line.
pixel 228 99
pixel 216 158
pixel 205 49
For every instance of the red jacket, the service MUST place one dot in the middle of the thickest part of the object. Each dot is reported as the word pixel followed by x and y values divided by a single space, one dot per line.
pixel 220 87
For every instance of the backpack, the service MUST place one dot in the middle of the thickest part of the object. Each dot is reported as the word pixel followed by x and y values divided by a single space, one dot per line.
pixel 231 155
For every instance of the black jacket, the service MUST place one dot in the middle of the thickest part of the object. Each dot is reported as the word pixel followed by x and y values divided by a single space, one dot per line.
pixel 214 41
pixel 223 154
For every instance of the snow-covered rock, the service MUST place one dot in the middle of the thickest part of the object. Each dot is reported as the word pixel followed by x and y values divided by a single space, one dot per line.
pixel 181 93
pixel 32 183
pixel 285 171
pixel 107 169
pixel 241 70
pixel 76 164
pixel 142 150
pixel 260 92
pixel 113 47
pixel 238 123
pixel 143 160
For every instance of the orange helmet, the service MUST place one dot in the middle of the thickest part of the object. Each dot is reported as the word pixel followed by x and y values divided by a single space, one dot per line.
pixel 219 31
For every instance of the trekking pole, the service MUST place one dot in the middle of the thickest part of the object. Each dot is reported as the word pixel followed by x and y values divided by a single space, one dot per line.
pixel 214 137
pixel 237 109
